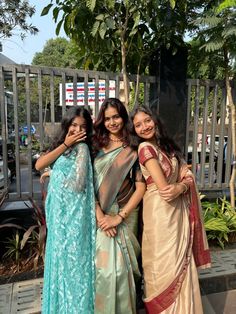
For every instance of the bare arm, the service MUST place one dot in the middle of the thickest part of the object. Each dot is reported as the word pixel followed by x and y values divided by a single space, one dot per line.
pixel 112 221
pixel 156 173
pixel 167 191
pixel 47 159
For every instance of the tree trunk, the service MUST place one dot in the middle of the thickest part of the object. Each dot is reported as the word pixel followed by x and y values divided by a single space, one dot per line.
pixel 124 72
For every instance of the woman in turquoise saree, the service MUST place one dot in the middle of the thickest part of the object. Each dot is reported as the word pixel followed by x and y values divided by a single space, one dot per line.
pixel 69 273
pixel 119 188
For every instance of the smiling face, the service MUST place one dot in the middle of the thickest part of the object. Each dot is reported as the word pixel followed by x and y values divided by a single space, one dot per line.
pixel 144 126
pixel 113 122
pixel 77 125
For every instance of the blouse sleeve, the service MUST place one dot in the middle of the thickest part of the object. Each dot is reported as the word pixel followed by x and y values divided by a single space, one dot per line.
pixel 145 153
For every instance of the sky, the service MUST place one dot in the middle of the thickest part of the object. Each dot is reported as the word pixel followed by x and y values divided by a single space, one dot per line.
pixel 23 51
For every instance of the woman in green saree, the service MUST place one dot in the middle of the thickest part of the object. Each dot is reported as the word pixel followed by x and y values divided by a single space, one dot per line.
pixel 119 188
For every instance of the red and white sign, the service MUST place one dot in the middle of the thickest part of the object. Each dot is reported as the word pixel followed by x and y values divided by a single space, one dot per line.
pixel 91 93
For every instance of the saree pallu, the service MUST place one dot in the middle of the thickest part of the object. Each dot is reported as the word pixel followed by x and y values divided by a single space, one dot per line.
pixel 169 232
pixel 116 258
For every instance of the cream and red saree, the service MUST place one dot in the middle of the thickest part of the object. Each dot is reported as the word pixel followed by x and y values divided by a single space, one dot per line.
pixel 174 242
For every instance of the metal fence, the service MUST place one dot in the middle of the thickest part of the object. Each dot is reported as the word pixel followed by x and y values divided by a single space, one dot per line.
pixel 208 135
pixel 38 96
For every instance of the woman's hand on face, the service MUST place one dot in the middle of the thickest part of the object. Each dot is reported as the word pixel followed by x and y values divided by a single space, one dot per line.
pixel 72 138
pixel 171 191
pixel 108 222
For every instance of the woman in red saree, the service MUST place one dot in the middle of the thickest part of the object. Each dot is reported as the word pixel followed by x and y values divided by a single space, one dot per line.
pixel 174 242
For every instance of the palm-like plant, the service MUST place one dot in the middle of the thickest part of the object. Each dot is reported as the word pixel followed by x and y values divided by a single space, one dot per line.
pixel 217 29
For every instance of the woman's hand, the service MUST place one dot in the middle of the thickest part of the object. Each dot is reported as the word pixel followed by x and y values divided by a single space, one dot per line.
pixel 44 176
pixel 108 222
pixel 111 233
pixel 171 191
pixel 72 138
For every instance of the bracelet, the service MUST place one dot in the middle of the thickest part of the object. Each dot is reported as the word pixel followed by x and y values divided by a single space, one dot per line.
pixel 120 216
pixel 185 187
pixel 65 145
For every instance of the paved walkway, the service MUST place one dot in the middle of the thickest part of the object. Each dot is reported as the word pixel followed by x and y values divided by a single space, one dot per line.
pixel 218 287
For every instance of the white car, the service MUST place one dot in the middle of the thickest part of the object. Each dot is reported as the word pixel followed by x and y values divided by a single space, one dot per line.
pixel 2 175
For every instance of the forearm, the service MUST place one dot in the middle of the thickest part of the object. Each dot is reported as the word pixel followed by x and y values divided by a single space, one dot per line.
pixel 99 212
pixel 134 200
pixel 46 160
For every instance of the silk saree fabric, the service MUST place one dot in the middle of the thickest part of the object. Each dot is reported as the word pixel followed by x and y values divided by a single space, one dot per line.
pixel 116 258
pixel 174 241
pixel 69 275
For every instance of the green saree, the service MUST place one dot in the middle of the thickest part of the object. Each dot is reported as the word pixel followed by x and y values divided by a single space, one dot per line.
pixel 116 258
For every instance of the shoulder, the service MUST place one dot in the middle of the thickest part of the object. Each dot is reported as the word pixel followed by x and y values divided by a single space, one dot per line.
pixel 147 151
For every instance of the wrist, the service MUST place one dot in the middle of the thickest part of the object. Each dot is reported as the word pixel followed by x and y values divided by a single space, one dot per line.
pixel 121 218
pixel 66 146
pixel 184 187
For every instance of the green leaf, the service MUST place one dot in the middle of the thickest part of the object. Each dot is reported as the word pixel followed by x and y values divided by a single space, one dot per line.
pixel 46 9
pixel 172 4
pixel 91 4
pixel 102 30
pixel 225 5
pixel 100 17
pixel 58 28
pixel 95 28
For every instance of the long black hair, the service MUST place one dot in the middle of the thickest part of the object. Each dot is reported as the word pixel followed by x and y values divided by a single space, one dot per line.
pixel 164 142
pixel 101 135
pixel 71 114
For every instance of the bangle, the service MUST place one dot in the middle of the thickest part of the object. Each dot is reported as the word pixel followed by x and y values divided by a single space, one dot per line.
pixel 120 216
pixel 65 145
pixel 185 187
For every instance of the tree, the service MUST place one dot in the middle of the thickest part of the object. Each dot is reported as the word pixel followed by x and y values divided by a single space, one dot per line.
pixel 57 52
pixel 218 32
pixel 13 18
pixel 122 35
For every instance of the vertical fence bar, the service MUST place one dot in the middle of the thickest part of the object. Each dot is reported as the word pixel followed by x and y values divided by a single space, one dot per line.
pixel 195 131
pixel 221 140
pixel 96 85
pixel 52 98
pixel 204 136
pixel 4 127
pixel 40 94
pixel 188 119
pixel 86 102
pixel 63 93
pixel 117 92
pixel 212 139
pixel 75 89
pixel 29 136
pixel 17 146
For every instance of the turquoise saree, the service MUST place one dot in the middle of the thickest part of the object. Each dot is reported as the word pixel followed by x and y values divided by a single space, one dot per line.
pixel 69 273
pixel 116 258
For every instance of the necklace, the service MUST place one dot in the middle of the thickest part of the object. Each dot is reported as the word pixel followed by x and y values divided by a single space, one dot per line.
pixel 116 140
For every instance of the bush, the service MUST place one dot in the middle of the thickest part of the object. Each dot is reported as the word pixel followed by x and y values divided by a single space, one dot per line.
pixel 219 220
